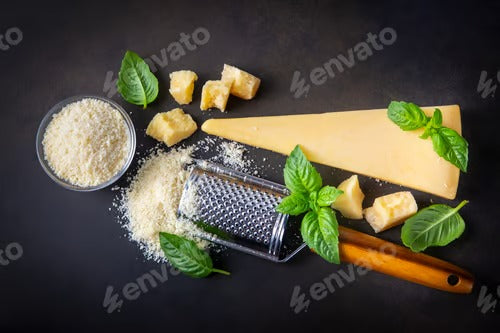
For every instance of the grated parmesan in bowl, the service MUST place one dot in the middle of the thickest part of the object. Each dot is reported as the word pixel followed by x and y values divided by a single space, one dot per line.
pixel 86 143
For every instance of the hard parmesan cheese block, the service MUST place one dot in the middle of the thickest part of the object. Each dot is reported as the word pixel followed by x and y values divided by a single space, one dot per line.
pixel 349 204
pixel 243 84
pixel 214 95
pixel 390 210
pixel 171 127
pixel 364 142
pixel 182 86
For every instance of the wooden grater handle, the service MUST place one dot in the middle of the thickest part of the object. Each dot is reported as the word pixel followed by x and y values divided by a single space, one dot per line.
pixel 391 259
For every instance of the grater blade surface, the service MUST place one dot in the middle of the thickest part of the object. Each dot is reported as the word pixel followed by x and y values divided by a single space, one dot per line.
pixel 236 210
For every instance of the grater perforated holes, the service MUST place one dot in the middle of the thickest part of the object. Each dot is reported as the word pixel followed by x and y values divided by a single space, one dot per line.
pixel 236 208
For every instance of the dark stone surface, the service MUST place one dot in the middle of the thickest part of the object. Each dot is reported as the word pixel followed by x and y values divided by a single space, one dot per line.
pixel 73 249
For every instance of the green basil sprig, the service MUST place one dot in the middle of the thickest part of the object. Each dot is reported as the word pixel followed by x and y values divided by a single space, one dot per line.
pixel 436 225
pixel 136 83
pixel 319 226
pixel 447 142
pixel 408 116
pixel 185 255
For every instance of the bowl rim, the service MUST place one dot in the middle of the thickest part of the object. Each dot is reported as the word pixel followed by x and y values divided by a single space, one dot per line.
pixel 48 118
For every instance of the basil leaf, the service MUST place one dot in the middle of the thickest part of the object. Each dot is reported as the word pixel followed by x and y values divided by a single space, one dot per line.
pixel 407 116
pixel 330 229
pixel 327 195
pixel 433 125
pixel 313 201
pixel 299 174
pixel 437 118
pixel 136 83
pixel 294 204
pixel 185 255
pixel 319 226
pixel 436 225
pixel 446 142
pixel 320 232
pixel 452 147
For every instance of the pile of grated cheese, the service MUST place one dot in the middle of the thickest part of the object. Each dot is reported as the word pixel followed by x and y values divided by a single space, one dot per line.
pixel 87 142
pixel 150 203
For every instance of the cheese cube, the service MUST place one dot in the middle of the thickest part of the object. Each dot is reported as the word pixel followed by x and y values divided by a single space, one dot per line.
pixel 171 127
pixel 243 84
pixel 349 204
pixel 214 95
pixel 182 86
pixel 390 210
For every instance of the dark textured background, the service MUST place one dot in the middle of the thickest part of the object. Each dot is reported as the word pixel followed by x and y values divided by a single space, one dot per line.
pixel 74 249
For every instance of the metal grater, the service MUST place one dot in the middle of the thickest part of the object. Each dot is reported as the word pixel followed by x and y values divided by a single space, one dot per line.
pixel 238 211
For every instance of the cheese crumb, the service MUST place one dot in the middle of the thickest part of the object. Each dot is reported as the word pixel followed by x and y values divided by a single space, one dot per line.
pixel 182 86
pixel 171 127
pixel 87 142
pixel 349 203
pixel 390 210
pixel 243 84
pixel 214 94
pixel 232 155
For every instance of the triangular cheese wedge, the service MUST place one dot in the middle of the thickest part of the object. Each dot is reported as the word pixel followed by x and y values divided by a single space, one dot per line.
pixel 364 142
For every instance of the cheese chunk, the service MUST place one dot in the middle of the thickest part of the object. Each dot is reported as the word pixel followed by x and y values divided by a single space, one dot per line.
pixel 243 84
pixel 390 210
pixel 349 204
pixel 182 86
pixel 171 127
pixel 214 95
pixel 365 142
